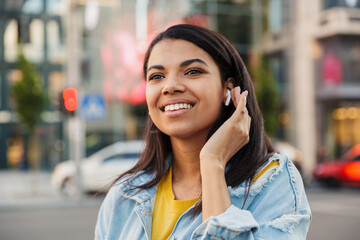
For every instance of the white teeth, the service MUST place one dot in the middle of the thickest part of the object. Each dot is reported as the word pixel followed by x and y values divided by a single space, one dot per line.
pixel 177 106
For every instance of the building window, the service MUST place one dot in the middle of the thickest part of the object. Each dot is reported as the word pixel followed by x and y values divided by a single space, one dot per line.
pixel 13 76
pixel 10 41
pixel 56 7
pixel 340 62
pixel 278 67
pixel 33 6
pixel 1 99
pixel 56 85
pixel 279 14
pixel 351 60
pixel 32 39
pixel 34 50
pixel 56 48
pixel 341 3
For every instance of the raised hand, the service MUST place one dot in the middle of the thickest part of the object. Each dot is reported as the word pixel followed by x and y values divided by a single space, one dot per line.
pixel 231 136
pixel 223 144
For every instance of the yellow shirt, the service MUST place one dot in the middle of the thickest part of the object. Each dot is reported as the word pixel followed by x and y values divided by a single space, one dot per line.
pixel 266 168
pixel 167 210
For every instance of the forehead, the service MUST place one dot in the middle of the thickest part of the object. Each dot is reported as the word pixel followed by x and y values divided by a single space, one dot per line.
pixel 174 51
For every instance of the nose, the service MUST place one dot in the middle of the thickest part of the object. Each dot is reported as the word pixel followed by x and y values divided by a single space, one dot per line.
pixel 173 85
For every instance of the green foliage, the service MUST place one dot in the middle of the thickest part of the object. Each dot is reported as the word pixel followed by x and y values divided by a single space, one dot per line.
pixel 267 94
pixel 28 94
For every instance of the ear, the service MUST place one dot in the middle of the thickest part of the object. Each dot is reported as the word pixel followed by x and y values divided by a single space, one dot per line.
pixel 229 84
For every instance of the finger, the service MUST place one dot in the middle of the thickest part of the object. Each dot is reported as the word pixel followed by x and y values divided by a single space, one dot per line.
pixel 241 103
pixel 234 95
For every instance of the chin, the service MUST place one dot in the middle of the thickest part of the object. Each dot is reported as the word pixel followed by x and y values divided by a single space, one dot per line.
pixel 186 133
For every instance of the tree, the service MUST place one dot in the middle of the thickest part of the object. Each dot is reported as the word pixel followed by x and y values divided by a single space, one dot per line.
pixel 267 94
pixel 30 99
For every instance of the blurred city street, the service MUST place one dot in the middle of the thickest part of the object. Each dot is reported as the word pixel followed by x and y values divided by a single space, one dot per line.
pixel 31 209
pixel 73 99
pixel 336 213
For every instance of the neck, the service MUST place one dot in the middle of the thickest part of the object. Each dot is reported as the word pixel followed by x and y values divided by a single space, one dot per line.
pixel 186 162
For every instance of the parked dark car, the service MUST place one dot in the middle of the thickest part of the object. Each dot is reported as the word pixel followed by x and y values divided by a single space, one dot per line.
pixel 342 172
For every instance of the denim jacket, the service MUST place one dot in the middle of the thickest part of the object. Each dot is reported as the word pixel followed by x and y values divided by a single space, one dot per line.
pixel 276 208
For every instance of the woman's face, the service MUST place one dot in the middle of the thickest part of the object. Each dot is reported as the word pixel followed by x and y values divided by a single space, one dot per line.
pixel 184 92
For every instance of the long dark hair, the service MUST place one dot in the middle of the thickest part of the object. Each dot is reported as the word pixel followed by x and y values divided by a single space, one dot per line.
pixel 243 165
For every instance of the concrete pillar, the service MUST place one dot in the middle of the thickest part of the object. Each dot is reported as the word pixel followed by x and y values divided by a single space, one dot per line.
pixel 303 83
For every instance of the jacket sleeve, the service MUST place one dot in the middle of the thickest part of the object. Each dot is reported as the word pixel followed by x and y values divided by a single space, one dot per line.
pixel 278 209
pixel 105 216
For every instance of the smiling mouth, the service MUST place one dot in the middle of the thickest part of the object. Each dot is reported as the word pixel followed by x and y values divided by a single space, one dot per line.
pixel 177 106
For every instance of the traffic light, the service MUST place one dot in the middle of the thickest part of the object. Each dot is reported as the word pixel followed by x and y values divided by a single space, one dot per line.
pixel 68 101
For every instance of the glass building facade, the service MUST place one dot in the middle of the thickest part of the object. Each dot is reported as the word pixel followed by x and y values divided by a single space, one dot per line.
pixel 328 32
pixel 37 24
pixel 111 38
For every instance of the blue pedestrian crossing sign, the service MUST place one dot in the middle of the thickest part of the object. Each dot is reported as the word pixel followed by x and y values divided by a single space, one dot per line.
pixel 93 107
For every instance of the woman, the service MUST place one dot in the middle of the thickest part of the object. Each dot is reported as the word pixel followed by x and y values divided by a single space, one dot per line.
pixel 208 170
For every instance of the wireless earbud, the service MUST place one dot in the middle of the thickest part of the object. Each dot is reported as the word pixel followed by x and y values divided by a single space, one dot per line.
pixel 228 98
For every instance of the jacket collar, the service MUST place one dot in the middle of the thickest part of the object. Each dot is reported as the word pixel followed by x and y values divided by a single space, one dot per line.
pixel 127 185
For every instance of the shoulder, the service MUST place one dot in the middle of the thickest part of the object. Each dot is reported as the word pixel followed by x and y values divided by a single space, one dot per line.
pixel 127 187
pixel 123 195
pixel 284 172
pixel 282 178
pixel 119 206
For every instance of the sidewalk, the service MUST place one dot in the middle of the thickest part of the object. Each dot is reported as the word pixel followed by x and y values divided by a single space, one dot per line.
pixel 31 189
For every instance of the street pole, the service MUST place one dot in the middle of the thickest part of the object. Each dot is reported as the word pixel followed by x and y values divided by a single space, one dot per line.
pixel 141 16
pixel 76 129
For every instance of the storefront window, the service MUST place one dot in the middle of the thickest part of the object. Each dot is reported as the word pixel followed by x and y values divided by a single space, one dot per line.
pixel 345 130
pixel 15 148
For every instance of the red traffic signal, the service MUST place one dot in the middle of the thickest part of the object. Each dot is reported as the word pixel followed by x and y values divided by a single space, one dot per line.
pixel 70 99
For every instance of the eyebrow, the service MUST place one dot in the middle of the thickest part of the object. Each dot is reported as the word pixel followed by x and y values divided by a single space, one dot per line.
pixel 183 64
pixel 191 61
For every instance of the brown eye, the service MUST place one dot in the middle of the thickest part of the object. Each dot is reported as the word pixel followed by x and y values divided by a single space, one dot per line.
pixel 156 77
pixel 193 72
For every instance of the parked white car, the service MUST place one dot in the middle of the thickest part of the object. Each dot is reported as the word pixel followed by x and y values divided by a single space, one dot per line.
pixel 99 169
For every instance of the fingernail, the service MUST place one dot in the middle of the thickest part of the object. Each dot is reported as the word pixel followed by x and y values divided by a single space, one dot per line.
pixel 246 93
pixel 238 88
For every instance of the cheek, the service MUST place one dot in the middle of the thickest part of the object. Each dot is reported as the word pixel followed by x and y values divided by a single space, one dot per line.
pixel 150 97
pixel 212 106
